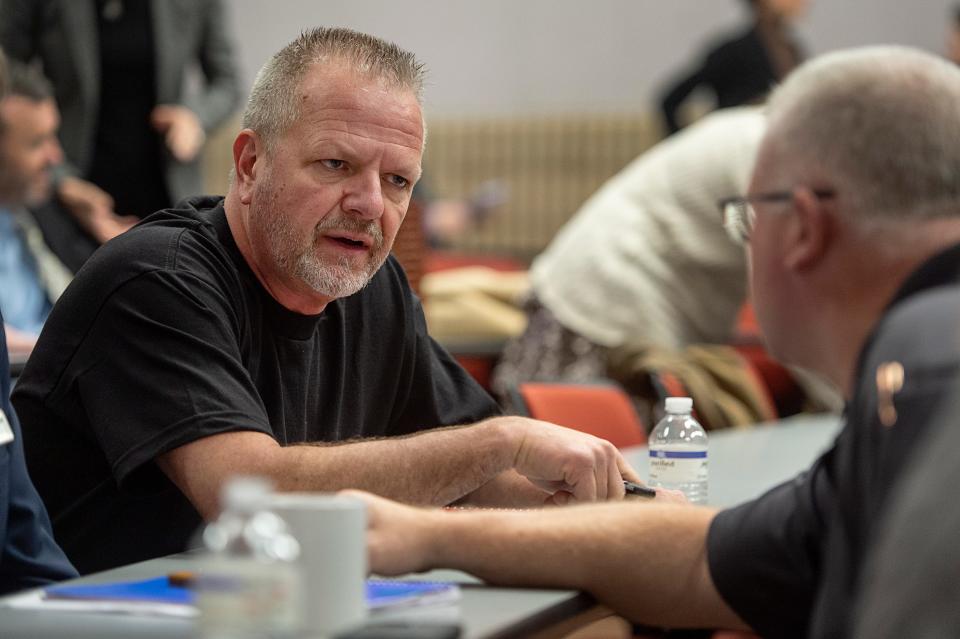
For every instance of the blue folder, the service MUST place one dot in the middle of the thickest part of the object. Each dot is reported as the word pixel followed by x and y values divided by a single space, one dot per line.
pixel 158 590
pixel 384 594
pixel 380 593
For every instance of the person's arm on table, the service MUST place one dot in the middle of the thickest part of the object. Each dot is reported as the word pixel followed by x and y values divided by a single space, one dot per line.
pixel 435 467
pixel 645 560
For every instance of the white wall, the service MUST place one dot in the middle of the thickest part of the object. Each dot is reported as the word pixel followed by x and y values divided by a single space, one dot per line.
pixel 523 56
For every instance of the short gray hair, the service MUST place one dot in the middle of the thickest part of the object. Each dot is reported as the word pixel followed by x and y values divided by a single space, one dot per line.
pixel 884 120
pixel 274 106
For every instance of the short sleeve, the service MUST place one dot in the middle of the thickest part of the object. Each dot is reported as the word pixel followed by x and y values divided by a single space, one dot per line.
pixel 171 342
pixel 460 399
pixel 439 391
pixel 764 555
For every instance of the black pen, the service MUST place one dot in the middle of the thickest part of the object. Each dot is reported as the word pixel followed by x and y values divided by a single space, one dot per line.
pixel 634 488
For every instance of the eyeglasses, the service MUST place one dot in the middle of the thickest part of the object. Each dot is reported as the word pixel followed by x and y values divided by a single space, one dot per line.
pixel 739 216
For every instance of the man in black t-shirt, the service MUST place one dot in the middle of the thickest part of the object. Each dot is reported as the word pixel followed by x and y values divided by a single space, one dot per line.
pixel 853 222
pixel 255 333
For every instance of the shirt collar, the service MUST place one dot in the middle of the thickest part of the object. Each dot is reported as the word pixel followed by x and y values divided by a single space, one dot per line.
pixel 942 268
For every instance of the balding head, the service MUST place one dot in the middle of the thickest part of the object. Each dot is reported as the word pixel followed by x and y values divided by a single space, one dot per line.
pixel 882 122
pixel 866 142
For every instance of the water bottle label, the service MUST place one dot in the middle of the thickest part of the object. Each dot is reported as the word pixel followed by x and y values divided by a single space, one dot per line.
pixel 678 454
pixel 673 467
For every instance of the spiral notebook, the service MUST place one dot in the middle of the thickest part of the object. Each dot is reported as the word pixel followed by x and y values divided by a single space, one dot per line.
pixel 383 593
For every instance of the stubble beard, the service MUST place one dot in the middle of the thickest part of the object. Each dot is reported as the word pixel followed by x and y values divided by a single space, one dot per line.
pixel 336 278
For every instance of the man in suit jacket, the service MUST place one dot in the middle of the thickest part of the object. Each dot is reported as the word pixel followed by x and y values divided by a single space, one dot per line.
pixel 108 58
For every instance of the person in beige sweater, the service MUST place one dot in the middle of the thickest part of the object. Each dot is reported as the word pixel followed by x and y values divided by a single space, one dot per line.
pixel 645 260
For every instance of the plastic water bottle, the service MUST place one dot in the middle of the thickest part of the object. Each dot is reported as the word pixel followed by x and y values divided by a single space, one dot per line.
pixel 678 451
pixel 249 582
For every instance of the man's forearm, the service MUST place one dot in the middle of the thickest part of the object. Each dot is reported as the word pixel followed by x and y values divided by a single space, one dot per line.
pixel 509 489
pixel 436 467
pixel 643 560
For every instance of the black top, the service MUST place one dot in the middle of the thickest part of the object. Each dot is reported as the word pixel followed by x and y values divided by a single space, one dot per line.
pixel 166 336
pixel 790 562
pixel 910 586
pixel 738 71
pixel 127 151
pixel 29 557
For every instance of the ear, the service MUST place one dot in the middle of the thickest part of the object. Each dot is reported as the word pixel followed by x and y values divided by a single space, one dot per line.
pixel 810 232
pixel 248 151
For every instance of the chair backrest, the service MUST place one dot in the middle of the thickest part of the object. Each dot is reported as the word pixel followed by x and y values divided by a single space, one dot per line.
pixel 604 410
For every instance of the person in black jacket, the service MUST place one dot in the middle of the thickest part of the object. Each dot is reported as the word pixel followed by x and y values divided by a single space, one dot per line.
pixel 741 69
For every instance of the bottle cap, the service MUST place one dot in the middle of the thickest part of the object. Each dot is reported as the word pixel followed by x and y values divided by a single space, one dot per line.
pixel 679 405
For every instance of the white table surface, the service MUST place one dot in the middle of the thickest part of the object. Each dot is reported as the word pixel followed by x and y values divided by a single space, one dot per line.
pixel 483 611
pixel 746 462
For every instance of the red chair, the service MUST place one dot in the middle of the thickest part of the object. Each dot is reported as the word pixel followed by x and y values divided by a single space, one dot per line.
pixel 437 260
pixel 604 410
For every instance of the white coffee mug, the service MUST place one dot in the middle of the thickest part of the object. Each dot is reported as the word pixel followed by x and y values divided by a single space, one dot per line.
pixel 332 531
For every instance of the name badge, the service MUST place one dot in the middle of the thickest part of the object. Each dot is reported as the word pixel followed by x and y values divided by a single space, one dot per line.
pixel 6 433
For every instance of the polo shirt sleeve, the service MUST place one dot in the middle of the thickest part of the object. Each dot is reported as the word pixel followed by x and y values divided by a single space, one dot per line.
pixel 764 555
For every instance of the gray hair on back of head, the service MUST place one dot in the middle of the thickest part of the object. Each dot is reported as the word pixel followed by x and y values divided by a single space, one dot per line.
pixel 274 106
pixel 882 121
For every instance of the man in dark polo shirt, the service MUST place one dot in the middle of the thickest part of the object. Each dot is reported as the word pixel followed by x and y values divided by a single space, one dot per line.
pixel 852 220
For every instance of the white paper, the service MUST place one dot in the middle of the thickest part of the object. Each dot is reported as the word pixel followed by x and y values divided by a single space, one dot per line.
pixel 6 432
pixel 35 600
